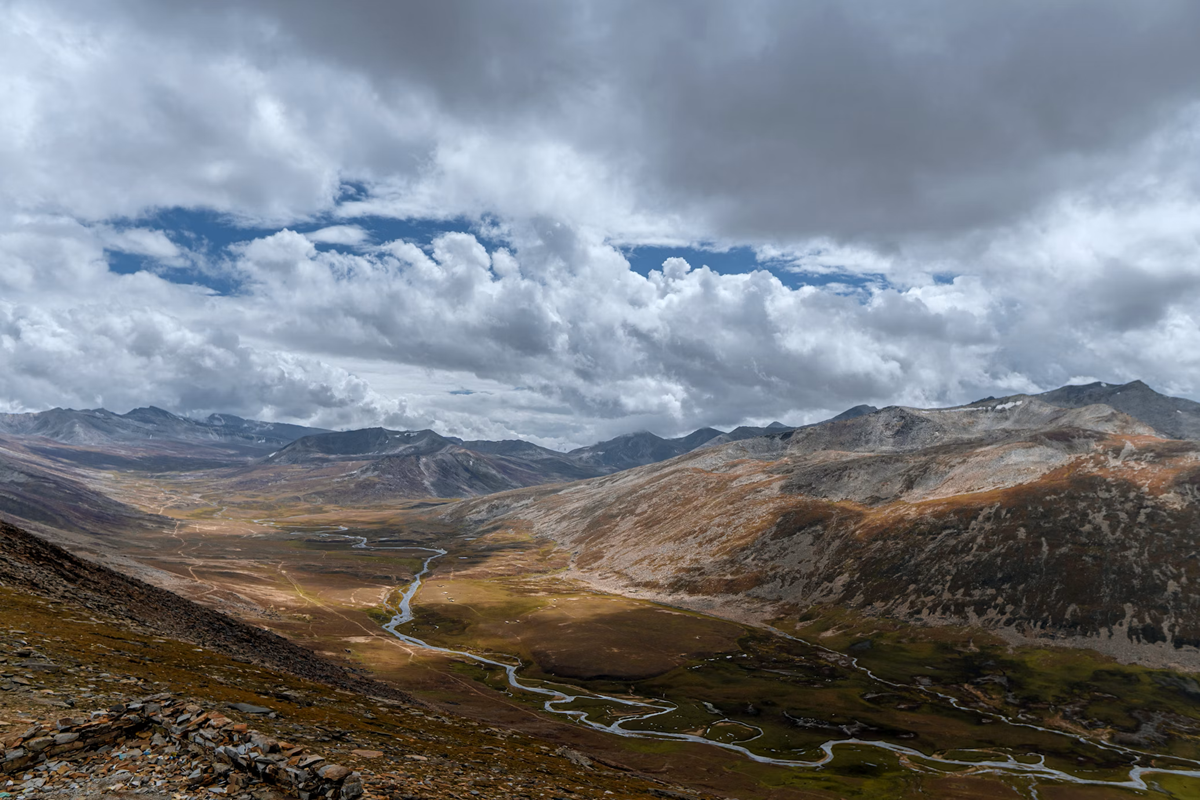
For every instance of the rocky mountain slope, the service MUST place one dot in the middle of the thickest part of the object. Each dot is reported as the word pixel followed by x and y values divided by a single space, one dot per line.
pixel 1174 417
pixel 359 445
pixel 34 493
pixel 638 449
pixel 450 472
pixel 1080 524
pixel 642 448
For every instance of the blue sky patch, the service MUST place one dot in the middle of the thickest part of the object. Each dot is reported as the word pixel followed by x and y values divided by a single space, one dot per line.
pixel 738 260
pixel 209 235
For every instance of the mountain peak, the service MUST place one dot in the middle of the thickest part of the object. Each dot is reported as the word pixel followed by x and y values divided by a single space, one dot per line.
pixel 1173 417
pixel 860 410
pixel 361 444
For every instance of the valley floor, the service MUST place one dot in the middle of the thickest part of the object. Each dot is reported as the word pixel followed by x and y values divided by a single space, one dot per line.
pixel 949 696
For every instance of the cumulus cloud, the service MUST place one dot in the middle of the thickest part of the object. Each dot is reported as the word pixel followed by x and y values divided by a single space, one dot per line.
pixel 938 212
pixel 96 356
pixel 567 342
pixel 142 242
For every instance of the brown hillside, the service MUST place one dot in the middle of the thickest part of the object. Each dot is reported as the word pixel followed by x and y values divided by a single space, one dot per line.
pixel 1076 525
pixel 40 568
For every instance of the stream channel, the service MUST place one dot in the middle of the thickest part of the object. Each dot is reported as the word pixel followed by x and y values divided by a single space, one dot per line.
pixel 638 710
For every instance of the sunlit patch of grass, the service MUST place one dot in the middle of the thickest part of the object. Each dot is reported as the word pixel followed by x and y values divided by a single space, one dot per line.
pixel 564 630
pixel 1175 786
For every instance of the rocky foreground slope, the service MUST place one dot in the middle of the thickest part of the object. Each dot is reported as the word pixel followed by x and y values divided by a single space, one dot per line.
pixel 110 688
pixel 1078 524
pixel 166 747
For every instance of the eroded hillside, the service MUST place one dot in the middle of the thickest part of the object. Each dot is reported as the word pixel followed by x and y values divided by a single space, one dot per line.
pixel 1033 520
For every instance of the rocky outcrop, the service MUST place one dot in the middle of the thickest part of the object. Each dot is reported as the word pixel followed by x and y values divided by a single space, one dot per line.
pixel 234 755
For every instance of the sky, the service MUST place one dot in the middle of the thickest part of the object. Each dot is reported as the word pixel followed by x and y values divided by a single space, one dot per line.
pixel 563 221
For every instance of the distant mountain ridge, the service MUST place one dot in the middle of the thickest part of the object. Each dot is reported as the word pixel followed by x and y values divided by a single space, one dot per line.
pixel 379 462
pixel 356 444
pixel 637 449
pixel 1173 417
pixel 416 461
pixel 98 426
pixel 389 463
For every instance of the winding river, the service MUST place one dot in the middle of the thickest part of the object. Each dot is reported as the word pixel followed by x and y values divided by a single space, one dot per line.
pixel 640 710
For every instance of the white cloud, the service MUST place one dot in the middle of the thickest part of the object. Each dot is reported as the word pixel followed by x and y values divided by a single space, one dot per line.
pixel 141 241
pixel 349 235
pixel 1027 229
pixel 824 256
pixel 565 341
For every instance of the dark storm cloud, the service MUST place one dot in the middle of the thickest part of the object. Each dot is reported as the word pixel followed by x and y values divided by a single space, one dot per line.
pixel 1130 297
pixel 782 119
pixel 888 124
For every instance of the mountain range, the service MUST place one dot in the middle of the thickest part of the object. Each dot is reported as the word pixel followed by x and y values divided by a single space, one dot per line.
pixel 1173 417
pixel 1078 522
pixel 365 465
pixel 101 427
pixel 377 463
pixel 370 463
